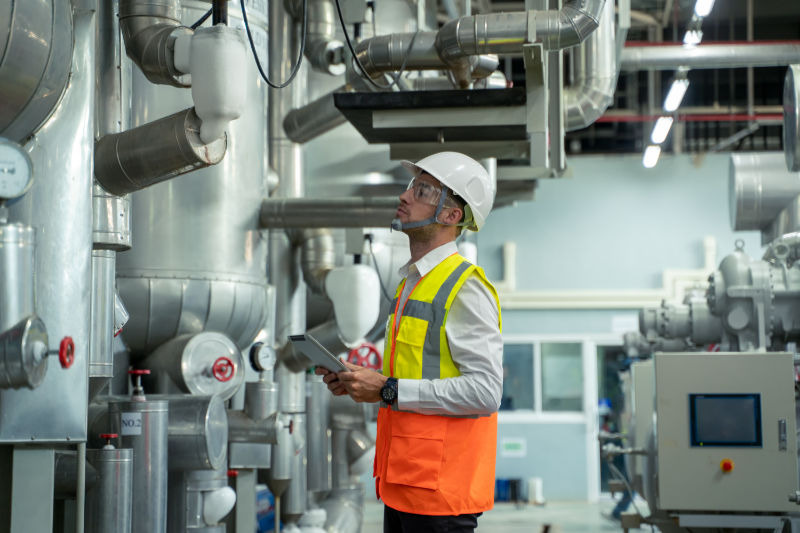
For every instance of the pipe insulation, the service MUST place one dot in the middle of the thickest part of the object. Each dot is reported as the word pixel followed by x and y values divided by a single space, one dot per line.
pixel 312 120
pixel 710 56
pixel 494 33
pixel 596 76
pixel 154 152
pixel 149 29
pixel 328 212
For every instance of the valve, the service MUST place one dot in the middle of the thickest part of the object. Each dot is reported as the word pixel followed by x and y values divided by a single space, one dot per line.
pixel 65 352
pixel 138 391
pixel 366 355
pixel 107 437
pixel 223 369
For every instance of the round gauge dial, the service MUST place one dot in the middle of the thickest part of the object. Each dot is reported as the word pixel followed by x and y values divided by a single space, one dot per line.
pixel 262 357
pixel 16 170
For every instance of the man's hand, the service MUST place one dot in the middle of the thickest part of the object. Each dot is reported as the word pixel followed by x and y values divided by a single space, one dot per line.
pixel 332 380
pixel 362 384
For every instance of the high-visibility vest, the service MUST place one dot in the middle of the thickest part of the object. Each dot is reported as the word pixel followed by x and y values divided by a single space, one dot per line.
pixel 432 464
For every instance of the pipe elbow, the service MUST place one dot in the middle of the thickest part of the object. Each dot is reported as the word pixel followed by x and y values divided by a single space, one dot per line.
pixel 149 32
pixel 585 104
pixel 569 26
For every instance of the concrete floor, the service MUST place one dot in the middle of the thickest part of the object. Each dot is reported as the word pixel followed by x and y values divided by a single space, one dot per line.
pixel 563 517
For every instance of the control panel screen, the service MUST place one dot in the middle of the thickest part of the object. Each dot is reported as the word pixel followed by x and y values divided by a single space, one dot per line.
pixel 725 419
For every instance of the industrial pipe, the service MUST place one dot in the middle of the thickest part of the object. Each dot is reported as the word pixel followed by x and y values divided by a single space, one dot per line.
pixel 323 50
pixel 495 33
pixel 154 152
pixel 327 212
pixel 760 187
pixel 710 56
pixel 149 28
pixel 317 256
pixel 596 78
pixel 315 118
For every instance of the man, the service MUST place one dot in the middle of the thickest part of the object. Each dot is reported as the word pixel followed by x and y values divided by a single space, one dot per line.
pixel 442 371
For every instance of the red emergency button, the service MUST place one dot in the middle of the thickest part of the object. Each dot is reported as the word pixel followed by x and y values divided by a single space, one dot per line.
pixel 726 465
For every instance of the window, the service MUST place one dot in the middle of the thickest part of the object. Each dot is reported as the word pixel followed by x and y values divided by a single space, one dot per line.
pixel 518 377
pixel 562 376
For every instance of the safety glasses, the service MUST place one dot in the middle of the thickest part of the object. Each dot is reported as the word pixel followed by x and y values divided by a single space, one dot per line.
pixel 425 192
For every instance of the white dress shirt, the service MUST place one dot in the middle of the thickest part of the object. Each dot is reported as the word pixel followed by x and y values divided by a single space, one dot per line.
pixel 475 345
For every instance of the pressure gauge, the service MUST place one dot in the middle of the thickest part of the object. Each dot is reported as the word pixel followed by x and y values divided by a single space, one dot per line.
pixel 262 357
pixel 16 170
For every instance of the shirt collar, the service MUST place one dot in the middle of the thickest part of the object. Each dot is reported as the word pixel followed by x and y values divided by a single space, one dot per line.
pixel 429 261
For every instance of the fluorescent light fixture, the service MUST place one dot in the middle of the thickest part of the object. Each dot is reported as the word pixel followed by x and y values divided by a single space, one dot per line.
pixel 692 37
pixel 651 156
pixel 703 7
pixel 661 130
pixel 675 94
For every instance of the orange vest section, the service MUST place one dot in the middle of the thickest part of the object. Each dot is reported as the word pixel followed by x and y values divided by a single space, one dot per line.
pixel 435 465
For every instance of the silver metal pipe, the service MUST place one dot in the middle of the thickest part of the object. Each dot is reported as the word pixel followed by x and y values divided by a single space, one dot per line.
pixel 36 40
pixel 495 33
pixel 17 247
pixel 317 257
pixel 101 355
pixel 149 28
pixel 197 433
pixel 318 409
pixel 80 489
pixel 328 212
pixel 314 119
pixel 293 500
pixel 109 501
pixel 323 50
pixel 596 75
pixel 154 152
pixel 711 56
pixel 143 426
pixel 760 187
pixel 23 354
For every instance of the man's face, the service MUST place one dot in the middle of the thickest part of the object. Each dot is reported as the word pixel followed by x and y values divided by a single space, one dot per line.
pixel 419 201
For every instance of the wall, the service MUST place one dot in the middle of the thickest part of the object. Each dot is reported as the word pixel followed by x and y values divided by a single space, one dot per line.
pixel 612 225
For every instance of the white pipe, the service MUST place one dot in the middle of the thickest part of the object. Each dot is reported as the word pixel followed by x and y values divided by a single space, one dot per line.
pixel 710 56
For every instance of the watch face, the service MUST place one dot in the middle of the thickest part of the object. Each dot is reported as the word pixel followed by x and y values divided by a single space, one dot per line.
pixel 388 393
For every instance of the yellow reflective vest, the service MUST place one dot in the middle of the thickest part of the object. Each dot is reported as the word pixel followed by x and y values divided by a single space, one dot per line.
pixel 432 464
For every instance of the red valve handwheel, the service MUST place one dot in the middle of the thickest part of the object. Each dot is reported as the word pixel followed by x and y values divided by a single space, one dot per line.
pixel 233 473
pixel 66 352
pixel 108 435
pixel 366 355
pixel 223 369
pixel 139 371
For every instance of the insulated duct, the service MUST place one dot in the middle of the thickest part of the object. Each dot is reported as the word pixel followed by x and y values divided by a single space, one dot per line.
pixel 317 256
pixel 323 50
pixel 149 28
pixel 154 152
pixel 36 40
pixel 496 33
pixel 328 213
pixel 596 75
pixel 760 187
pixel 314 119
pixel 709 56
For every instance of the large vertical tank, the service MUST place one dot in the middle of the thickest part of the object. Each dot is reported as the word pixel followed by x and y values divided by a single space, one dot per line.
pixel 198 261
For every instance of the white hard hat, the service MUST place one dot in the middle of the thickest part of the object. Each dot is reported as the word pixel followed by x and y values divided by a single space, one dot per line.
pixel 465 177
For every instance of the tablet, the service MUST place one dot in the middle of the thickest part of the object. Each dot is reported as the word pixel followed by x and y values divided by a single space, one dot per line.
pixel 318 354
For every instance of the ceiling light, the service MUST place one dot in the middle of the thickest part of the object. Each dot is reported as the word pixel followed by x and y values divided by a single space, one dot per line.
pixel 651 156
pixel 675 94
pixel 703 7
pixel 692 37
pixel 661 130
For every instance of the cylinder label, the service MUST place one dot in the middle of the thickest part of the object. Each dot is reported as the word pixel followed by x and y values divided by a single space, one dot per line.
pixel 131 423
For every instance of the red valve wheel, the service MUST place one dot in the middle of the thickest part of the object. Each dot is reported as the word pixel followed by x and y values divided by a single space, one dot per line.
pixel 233 473
pixel 139 371
pixel 223 369
pixel 108 435
pixel 66 352
pixel 366 355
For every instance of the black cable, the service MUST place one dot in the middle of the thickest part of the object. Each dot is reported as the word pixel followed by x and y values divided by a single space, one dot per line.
pixel 201 20
pixel 395 78
pixel 299 61
pixel 375 262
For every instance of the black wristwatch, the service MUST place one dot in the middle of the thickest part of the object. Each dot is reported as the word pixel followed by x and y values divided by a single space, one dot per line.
pixel 389 391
